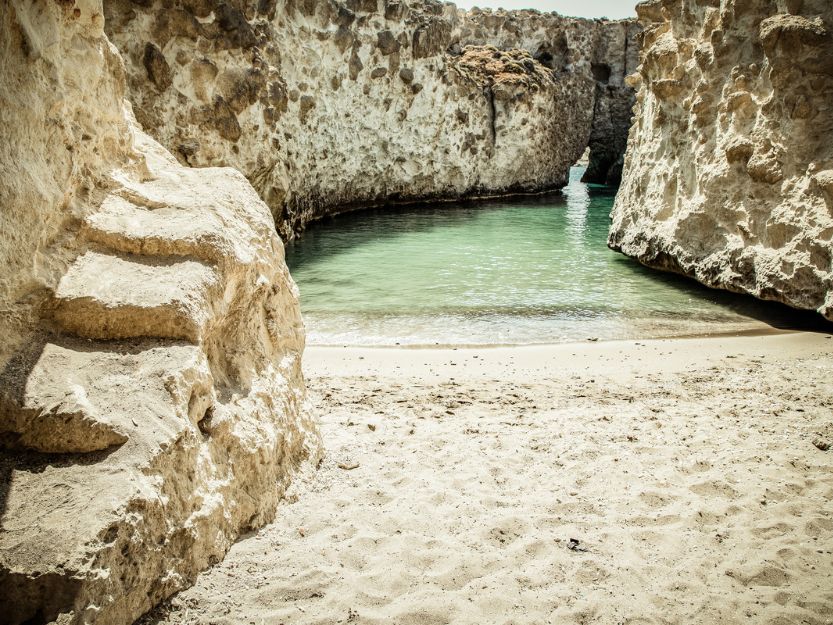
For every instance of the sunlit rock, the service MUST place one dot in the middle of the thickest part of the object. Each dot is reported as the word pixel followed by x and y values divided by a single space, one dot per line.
pixel 325 106
pixel 151 396
pixel 727 177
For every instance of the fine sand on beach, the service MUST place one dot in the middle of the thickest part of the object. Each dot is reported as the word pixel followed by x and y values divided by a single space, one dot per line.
pixel 665 481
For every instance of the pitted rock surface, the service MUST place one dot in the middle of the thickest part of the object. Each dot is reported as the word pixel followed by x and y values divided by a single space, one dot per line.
pixel 729 167
pixel 328 106
pixel 151 395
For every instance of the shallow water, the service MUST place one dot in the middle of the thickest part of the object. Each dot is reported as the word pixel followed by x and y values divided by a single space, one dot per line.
pixel 529 270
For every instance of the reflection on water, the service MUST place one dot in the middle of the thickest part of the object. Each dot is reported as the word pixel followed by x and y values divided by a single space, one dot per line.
pixel 530 270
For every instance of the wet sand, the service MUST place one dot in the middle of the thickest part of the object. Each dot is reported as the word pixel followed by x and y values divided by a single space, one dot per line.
pixel 657 481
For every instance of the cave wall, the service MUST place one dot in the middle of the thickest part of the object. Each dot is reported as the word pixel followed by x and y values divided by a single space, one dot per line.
pixel 151 395
pixel 326 106
pixel 729 171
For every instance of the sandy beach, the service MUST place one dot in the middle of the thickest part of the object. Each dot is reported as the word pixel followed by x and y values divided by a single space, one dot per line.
pixel 655 481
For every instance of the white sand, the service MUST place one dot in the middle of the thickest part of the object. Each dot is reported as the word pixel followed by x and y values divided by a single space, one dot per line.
pixel 686 470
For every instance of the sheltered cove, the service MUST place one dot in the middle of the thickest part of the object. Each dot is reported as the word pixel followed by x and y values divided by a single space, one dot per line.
pixel 152 402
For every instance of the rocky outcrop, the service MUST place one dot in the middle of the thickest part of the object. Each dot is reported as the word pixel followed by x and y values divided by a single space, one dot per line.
pixel 151 397
pixel 330 105
pixel 729 172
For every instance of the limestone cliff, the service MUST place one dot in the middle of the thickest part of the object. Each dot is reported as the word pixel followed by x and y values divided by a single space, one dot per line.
pixel 330 105
pixel 729 172
pixel 150 385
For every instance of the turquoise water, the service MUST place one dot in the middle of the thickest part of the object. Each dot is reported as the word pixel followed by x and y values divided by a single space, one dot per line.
pixel 529 270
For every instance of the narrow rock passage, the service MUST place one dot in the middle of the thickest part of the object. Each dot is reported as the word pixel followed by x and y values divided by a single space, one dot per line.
pixel 652 482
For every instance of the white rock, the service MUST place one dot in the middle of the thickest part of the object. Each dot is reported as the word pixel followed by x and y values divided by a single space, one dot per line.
pixel 151 396
pixel 727 171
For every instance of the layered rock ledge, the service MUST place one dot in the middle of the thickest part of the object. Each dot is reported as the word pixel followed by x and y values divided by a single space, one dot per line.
pixel 326 106
pixel 729 170
pixel 151 396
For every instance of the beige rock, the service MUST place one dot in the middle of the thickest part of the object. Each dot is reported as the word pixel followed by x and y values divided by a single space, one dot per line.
pixel 151 396
pixel 106 296
pixel 728 172
pixel 327 106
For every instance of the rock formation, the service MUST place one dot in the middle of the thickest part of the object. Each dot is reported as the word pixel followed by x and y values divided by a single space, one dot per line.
pixel 151 397
pixel 729 171
pixel 330 105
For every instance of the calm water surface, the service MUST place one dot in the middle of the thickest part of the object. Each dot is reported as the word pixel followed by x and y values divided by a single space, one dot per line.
pixel 531 270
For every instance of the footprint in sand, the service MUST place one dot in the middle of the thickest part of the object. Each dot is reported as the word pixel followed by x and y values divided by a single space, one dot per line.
pixel 715 488
pixel 818 527
pixel 655 500
pixel 771 531
pixel 760 575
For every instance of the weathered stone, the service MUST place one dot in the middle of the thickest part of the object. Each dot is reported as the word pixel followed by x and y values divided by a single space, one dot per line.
pixel 151 395
pixel 236 28
pixel 556 84
pixel 242 88
pixel 344 38
pixel 364 6
pixel 223 118
pixel 431 39
pixel 732 190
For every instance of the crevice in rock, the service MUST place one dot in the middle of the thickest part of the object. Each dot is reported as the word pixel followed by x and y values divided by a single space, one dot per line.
pixel 490 100
pixel 625 54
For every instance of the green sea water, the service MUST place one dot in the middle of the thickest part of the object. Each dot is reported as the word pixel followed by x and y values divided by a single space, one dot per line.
pixel 520 271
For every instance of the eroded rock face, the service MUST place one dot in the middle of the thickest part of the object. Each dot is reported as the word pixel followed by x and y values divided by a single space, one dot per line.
pixel 151 397
pixel 330 105
pixel 728 173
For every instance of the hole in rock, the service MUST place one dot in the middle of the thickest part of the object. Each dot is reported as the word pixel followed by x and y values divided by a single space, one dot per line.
pixel 545 58
pixel 554 55
pixel 205 421
pixel 601 72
